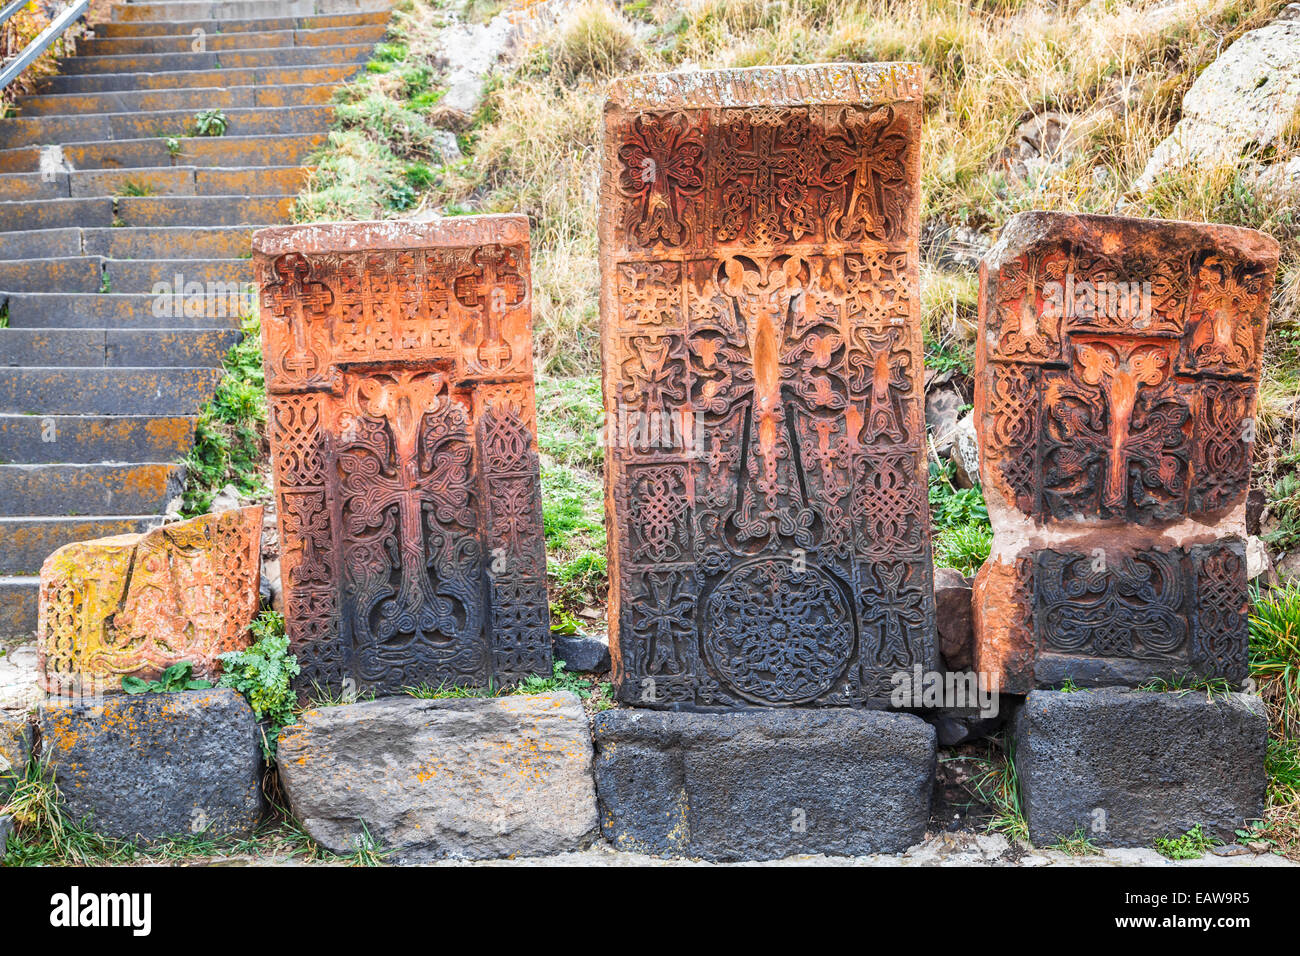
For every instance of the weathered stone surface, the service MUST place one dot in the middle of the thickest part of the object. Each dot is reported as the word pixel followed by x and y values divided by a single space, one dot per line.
pixel 1242 101
pixel 965 453
pixel 1117 372
pixel 954 619
pixel 20 689
pixel 15 747
pixel 581 652
pixel 760 329
pixel 762 784
pixel 399 365
pixel 156 765
pixel 472 778
pixel 1131 766
pixel 6 828
pixel 135 604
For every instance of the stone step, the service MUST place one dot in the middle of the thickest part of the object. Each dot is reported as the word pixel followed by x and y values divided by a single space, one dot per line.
pixel 196 98
pixel 219 277
pixel 116 310
pixel 18 605
pixel 47 130
pixel 44 242
pixel 218 42
pixel 242 9
pixel 144 211
pixel 76 274
pixel 36 390
pixel 151 180
pixel 225 60
pixel 146 28
pixel 190 79
pixel 179 242
pixel 108 489
pixel 242 152
pixel 78 439
pixel 26 542
pixel 94 348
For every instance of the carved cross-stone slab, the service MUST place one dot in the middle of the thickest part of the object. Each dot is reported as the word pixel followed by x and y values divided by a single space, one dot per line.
pixel 1117 370
pixel 403 428
pixel 761 339
pixel 134 604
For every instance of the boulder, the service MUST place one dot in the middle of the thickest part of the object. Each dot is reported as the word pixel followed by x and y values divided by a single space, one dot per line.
pixel 581 652
pixel 1240 102
pixel 157 765
pixel 954 617
pixel 943 407
pixel 965 453
pixel 763 784
pixel 472 778
pixel 20 689
pixel 1131 766
pixel 6 828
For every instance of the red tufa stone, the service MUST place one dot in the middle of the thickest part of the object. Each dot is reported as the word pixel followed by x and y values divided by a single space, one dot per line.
pixel 1117 368
pixel 399 366
pixel 761 338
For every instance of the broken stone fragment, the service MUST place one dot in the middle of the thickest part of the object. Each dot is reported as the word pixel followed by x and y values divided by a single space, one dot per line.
pixel 1117 372
pixel 132 605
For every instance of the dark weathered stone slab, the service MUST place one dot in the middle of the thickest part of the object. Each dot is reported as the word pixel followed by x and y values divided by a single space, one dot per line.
pixel 1128 767
pixel 426 779
pixel 15 748
pixel 157 765
pixel 763 784
pixel 761 336
pixel 399 366
pixel 1118 366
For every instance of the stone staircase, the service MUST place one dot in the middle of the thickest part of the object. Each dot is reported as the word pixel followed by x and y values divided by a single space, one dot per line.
pixel 102 198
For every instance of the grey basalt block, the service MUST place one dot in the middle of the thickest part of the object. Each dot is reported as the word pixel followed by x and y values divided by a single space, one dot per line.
pixel 157 765
pixel 763 784
pixel 1128 767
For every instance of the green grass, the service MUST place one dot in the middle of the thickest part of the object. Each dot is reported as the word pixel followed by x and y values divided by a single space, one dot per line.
pixel 1275 669
pixel 959 518
pixel 599 694
pixel 229 437
pixel 1077 844
pixel 999 787
pixel 1192 845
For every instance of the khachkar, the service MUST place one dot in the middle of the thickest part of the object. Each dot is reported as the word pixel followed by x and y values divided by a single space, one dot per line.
pixel 1117 369
pixel 134 604
pixel 399 367
pixel 766 474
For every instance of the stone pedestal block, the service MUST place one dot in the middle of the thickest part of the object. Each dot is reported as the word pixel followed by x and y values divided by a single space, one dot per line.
pixel 15 748
pixel 134 604
pixel 1128 767
pixel 761 340
pixel 427 779
pixel 1117 369
pixel 157 765
pixel 399 365
pixel 757 785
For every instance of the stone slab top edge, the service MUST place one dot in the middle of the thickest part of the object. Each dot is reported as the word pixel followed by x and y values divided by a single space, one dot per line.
pixel 1091 697
pixel 1129 235
pixel 815 84
pixel 450 231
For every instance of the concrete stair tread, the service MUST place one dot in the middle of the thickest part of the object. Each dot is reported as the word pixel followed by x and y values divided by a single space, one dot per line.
pixel 56 130
pixel 153 181
pixel 94 348
pixel 106 488
pixel 229 42
pixel 30 539
pixel 108 310
pixel 175 79
pixel 264 96
pixel 134 28
pixel 131 242
pixel 143 211
pixel 221 60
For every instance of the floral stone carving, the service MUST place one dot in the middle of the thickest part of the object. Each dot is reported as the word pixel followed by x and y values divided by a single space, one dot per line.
pixel 1118 366
pixel 761 339
pixel 134 604
pixel 399 367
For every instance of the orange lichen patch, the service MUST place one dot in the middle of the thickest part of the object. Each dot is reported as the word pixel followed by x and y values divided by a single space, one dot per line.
pixel 762 353
pixel 132 605
pixel 403 428
pixel 1117 367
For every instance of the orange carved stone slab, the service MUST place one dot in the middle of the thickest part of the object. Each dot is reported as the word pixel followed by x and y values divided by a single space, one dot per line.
pixel 134 604
pixel 403 427
pixel 760 329
pixel 1117 369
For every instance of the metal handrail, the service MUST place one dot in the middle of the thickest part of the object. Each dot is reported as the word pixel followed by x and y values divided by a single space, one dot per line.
pixel 41 41
pixel 10 9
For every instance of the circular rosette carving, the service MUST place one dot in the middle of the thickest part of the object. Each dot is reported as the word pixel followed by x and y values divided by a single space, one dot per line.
pixel 777 633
